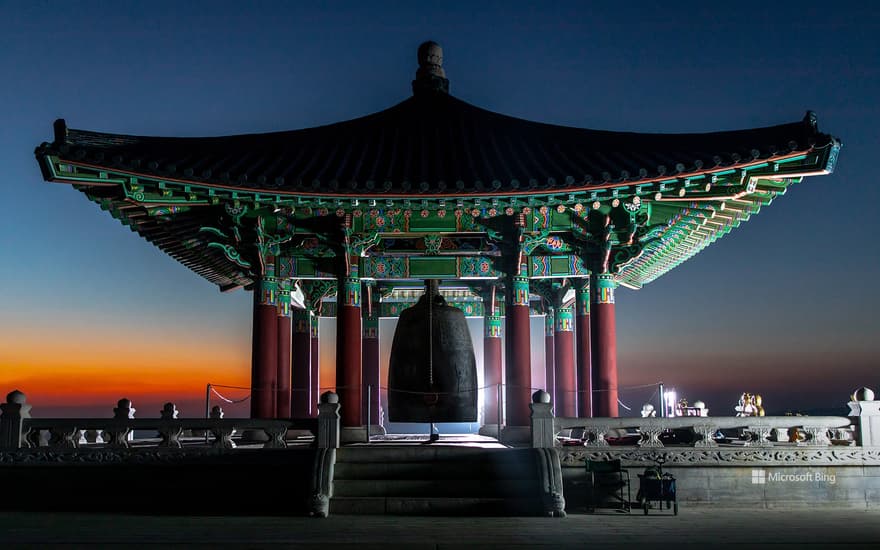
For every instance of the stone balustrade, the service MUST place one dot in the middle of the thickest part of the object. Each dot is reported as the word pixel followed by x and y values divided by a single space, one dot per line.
pixel 18 430
pixel 753 431
pixel 757 431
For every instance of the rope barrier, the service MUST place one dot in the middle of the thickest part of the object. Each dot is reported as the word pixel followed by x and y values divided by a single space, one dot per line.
pixel 233 387
pixel 228 400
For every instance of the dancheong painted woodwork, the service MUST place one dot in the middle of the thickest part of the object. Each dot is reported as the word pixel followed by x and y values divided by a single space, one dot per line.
pixel 424 188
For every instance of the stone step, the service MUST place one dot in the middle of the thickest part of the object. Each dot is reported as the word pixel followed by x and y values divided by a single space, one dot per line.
pixel 434 488
pixel 472 469
pixel 430 453
pixel 459 506
pixel 436 480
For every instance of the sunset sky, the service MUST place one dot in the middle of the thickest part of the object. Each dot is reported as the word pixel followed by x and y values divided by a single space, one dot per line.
pixel 784 306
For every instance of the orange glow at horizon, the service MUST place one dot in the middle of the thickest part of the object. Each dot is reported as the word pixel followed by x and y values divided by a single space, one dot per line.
pixel 85 366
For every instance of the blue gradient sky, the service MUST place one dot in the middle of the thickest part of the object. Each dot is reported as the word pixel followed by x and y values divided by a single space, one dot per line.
pixel 785 306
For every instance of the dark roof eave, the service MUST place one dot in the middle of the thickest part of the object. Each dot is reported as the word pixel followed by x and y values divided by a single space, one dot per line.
pixel 396 153
pixel 415 195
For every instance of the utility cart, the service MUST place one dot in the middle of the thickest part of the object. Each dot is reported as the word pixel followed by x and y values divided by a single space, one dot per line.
pixel 657 487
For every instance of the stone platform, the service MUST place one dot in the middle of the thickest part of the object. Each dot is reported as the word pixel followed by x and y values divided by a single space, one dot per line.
pixel 695 527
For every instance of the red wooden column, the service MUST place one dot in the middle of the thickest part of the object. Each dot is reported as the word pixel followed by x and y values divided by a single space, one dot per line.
pixel 492 370
pixel 315 381
pixel 370 356
pixel 302 398
pixel 282 388
pixel 549 354
pixel 518 371
pixel 584 378
pixel 348 346
pixel 566 389
pixel 604 337
pixel 264 348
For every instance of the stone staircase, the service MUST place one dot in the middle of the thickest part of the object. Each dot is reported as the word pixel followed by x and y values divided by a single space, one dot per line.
pixel 446 480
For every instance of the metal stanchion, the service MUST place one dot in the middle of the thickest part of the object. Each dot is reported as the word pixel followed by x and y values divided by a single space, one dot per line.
pixel 207 408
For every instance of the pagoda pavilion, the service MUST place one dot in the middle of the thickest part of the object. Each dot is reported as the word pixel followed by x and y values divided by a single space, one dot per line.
pixel 514 218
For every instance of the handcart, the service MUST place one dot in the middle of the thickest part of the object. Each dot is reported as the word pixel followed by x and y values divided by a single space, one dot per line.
pixel 657 487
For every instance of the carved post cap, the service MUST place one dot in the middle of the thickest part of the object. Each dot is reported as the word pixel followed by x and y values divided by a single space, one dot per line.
pixel 169 411
pixel 15 405
pixel 16 397
pixel 865 411
pixel 328 436
pixel 123 409
pixel 861 394
pixel 541 420
pixel 540 396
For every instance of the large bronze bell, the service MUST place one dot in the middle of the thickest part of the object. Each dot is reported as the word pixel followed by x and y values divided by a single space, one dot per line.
pixel 432 373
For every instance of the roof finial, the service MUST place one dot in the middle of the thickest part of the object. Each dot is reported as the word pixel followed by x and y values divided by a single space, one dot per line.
pixel 430 75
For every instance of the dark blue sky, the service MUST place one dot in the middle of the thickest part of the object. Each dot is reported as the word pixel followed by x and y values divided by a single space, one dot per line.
pixel 786 305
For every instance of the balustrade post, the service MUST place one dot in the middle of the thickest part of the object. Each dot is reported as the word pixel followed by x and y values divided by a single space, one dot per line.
pixel 543 435
pixel 91 436
pixel 651 437
pixel 817 436
pixel 598 436
pixel 759 436
pixel 15 410
pixel 706 433
pixel 844 436
pixel 222 433
pixel 118 433
pixel 781 435
pixel 169 429
pixel 867 415
pixel 67 438
pixel 32 438
pixel 276 432
pixel 328 421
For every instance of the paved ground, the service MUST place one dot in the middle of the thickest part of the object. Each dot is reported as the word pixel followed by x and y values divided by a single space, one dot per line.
pixel 695 527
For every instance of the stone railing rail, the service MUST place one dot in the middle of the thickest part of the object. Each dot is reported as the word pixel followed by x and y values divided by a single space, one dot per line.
pixel 18 430
pixel 758 430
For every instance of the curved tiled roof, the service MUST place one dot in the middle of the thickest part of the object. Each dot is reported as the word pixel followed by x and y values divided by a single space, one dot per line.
pixel 432 144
